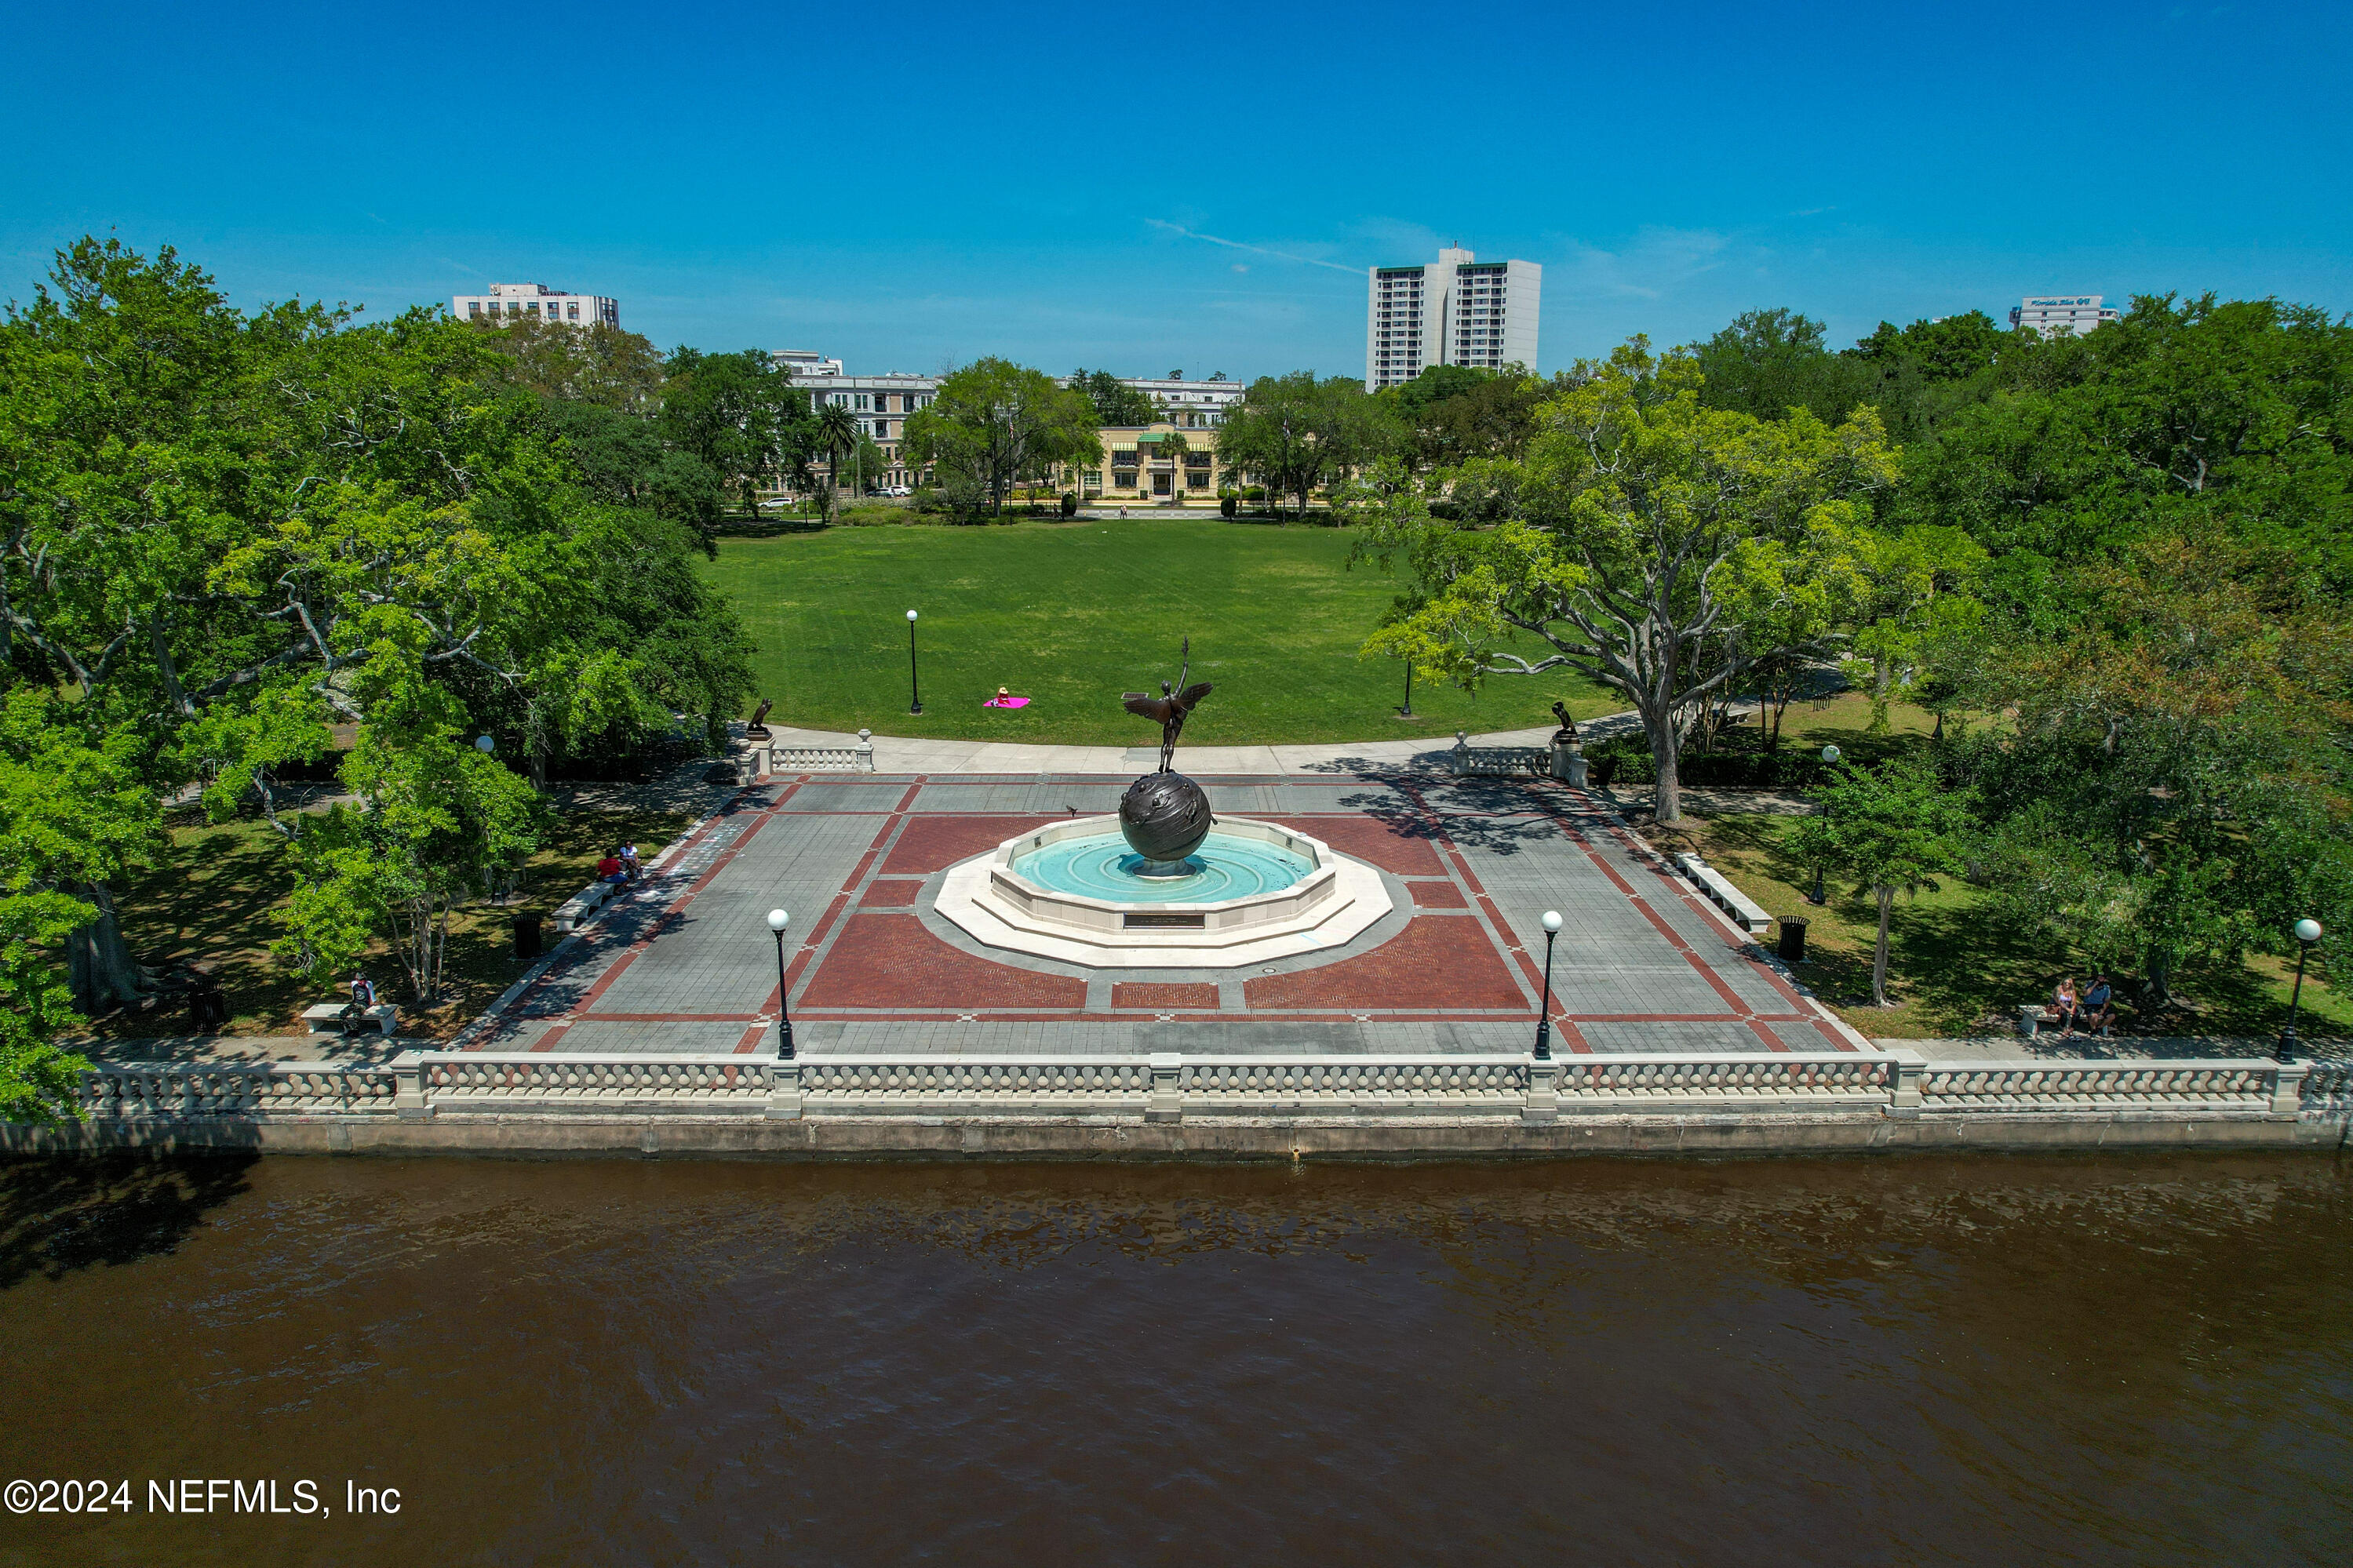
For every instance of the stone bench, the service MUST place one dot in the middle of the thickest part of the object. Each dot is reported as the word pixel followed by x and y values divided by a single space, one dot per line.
pixel 581 907
pixel 327 1018
pixel 1744 911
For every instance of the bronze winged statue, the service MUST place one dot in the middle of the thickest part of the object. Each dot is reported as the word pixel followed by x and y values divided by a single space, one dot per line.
pixel 1170 708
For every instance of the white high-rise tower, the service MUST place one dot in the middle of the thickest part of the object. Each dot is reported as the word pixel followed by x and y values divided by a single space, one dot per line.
pixel 1459 310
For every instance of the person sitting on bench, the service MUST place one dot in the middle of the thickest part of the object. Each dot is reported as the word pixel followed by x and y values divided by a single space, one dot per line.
pixel 357 1011
pixel 609 870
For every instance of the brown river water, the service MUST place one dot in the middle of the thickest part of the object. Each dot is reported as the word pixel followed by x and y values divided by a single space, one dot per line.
pixel 1985 1360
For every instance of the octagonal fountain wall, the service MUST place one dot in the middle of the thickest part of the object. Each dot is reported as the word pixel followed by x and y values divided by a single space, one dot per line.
pixel 1072 890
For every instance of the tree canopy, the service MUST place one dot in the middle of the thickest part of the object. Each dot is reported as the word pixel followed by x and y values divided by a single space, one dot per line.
pixel 992 424
pixel 220 531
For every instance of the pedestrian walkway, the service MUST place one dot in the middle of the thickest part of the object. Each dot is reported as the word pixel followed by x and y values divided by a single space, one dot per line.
pixel 687 964
pixel 896 754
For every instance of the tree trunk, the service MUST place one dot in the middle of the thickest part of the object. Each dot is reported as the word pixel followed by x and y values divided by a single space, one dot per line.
pixel 1879 954
pixel 1666 800
pixel 99 964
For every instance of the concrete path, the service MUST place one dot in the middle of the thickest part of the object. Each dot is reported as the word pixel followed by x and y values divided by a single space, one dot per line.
pixel 896 754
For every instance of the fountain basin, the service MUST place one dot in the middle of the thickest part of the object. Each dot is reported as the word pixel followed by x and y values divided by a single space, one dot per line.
pixel 1072 890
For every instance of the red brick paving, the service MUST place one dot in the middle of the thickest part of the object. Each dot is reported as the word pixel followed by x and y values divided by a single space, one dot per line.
pixel 1371 839
pixel 890 961
pixel 934 843
pixel 1443 962
pixel 1436 896
pixel 1153 993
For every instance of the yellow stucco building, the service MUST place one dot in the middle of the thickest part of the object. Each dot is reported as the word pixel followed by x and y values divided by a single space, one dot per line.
pixel 1153 464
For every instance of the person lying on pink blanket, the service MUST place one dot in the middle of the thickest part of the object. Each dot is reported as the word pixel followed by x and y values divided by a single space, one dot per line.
pixel 1005 699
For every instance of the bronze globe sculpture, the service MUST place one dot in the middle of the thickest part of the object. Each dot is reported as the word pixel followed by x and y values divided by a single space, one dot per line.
pixel 1164 815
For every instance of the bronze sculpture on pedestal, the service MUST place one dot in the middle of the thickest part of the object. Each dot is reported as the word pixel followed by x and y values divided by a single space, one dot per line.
pixel 1164 815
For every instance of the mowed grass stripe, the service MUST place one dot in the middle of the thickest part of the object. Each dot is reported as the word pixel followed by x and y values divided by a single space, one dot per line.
pixel 1071 614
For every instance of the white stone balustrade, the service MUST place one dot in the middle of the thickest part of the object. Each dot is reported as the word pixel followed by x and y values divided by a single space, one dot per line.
pixel 1587 1084
pixel 1053 1085
pixel 858 758
pixel 1372 1086
pixel 243 1089
pixel 2255 1085
pixel 1169 1086
pixel 471 1080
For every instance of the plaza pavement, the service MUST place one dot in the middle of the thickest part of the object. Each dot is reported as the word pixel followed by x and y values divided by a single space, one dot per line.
pixel 686 964
pixel 899 754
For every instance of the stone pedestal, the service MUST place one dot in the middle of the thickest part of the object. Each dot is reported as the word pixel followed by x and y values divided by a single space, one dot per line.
pixel 1568 763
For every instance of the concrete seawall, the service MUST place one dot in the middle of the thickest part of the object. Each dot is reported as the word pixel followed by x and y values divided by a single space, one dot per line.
pixel 597 1134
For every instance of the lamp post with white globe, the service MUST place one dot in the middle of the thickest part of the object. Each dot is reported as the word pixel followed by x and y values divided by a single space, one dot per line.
pixel 1830 755
pixel 778 921
pixel 914 686
pixel 1543 1013
pixel 2307 932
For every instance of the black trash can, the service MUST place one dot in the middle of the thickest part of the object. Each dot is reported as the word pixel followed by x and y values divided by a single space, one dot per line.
pixel 1793 938
pixel 527 933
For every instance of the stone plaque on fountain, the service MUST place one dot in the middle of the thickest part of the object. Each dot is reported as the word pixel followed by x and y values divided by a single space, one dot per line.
pixel 1164 815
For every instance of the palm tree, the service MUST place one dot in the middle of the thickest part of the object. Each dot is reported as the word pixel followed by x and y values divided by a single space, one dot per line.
pixel 1173 447
pixel 837 433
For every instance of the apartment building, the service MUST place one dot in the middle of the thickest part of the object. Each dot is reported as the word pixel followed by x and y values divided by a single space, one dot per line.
pixel 1455 311
pixel 2070 313
pixel 508 303
pixel 1163 463
pixel 1190 404
pixel 804 362
pixel 881 403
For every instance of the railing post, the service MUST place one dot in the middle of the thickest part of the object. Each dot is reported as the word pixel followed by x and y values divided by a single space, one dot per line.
pixel 408 1099
pixel 866 750
pixel 1460 757
pixel 1167 1100
pixel 1904 1096
pixel 1544 1094
pixel 2287 1088
pixel 785 1091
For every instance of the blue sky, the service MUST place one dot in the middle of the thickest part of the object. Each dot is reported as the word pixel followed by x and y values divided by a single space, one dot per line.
pixel 1196 187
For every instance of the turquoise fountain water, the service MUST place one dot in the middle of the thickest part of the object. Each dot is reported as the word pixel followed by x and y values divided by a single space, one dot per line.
pixel 1102 866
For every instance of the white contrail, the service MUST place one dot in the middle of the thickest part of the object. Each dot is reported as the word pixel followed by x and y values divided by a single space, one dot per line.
pixel 1254 249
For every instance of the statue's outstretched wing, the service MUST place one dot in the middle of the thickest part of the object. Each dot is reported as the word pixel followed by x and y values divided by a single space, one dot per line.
pixel 1145 705
pixel 1191 696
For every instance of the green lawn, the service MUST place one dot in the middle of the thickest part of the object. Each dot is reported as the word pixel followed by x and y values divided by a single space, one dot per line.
pixel 1071 614
pixel 216 893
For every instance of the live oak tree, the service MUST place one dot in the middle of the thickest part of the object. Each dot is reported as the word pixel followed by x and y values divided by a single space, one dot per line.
pixel 1116 402
pixel 1297 433
pixel 992 424
pixel 736 413
pixel 74 815
pixel 220 531
pixel 1893 831
pixel 1627 526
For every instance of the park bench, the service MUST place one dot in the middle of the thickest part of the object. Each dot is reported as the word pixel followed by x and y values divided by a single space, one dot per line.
pixel 1744 911
pixel 581 907
pixel 327 1018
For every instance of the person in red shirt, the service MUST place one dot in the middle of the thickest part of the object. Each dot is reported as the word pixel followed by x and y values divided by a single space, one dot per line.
pixel 609 869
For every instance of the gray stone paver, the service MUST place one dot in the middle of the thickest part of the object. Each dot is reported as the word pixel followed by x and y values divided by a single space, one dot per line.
pixel 703 979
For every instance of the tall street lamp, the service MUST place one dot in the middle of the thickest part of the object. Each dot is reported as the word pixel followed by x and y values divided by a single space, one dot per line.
pixel 1829 756
pixel 1544 1013
pixel 2307 932
pixel 914 687
pixel 778 921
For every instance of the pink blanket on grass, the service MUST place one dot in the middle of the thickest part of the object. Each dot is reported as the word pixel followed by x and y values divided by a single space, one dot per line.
pixel 1006 702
